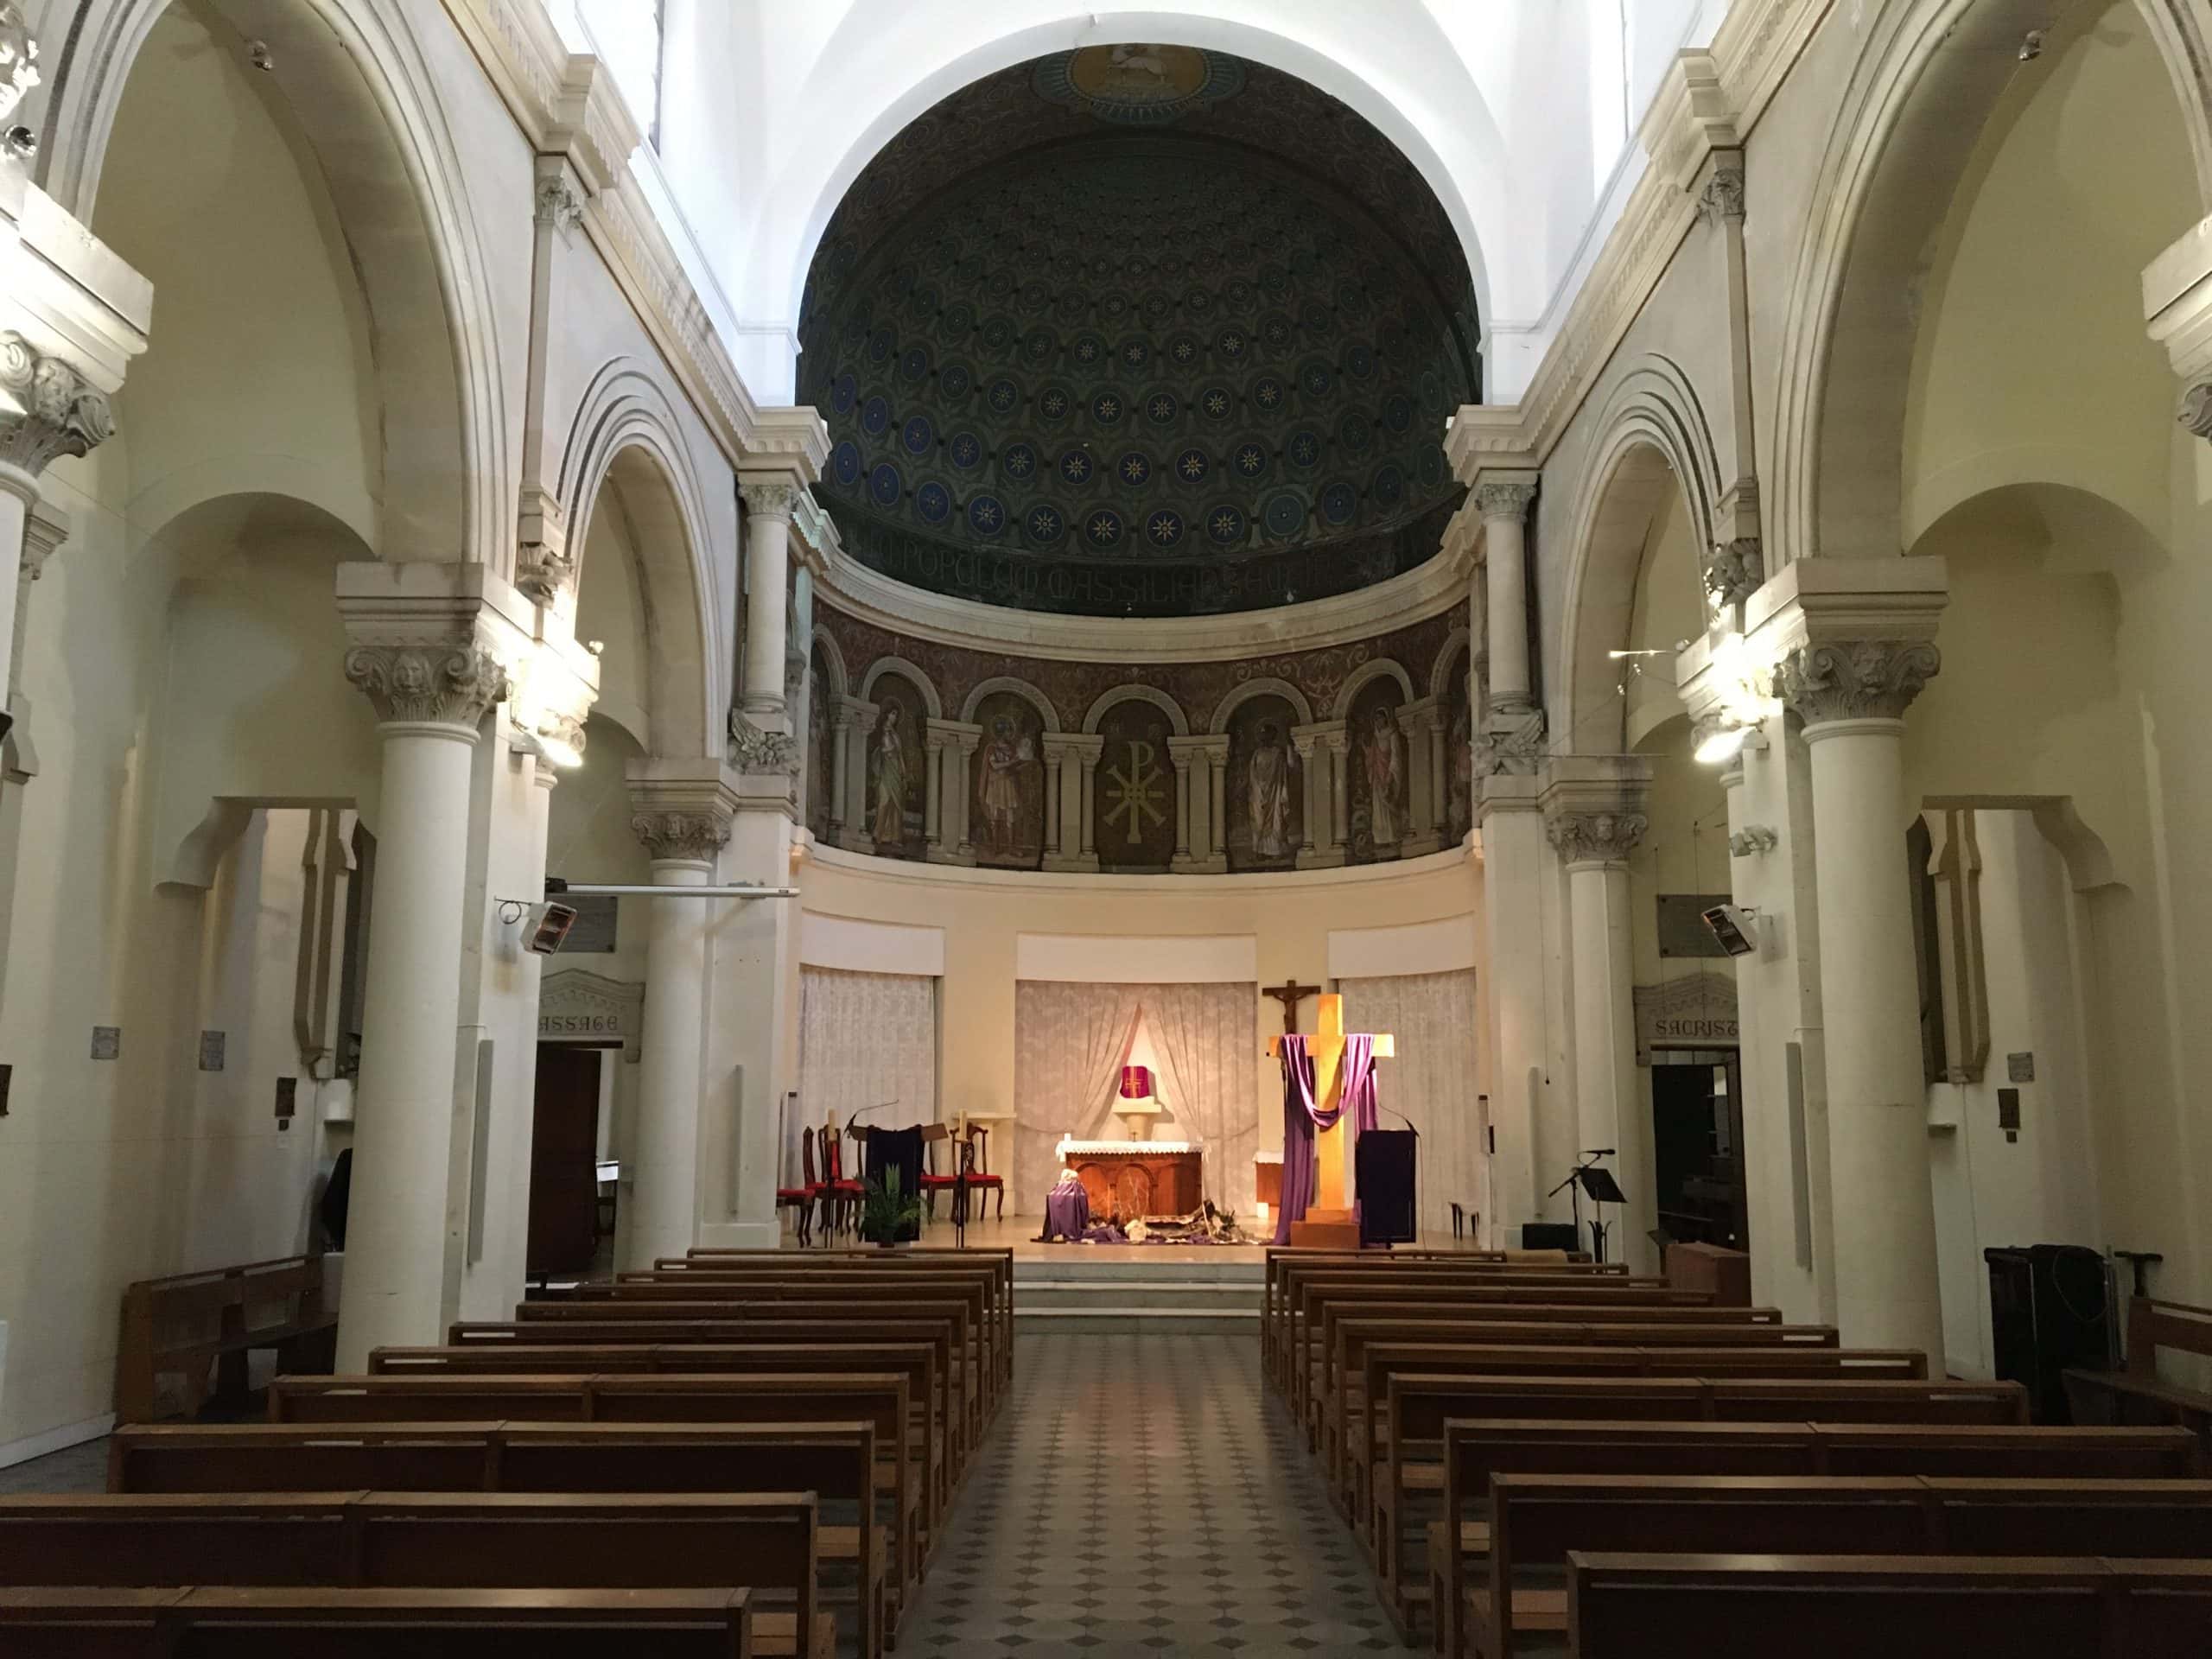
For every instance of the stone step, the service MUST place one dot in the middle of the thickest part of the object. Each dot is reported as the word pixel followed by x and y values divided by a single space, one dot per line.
pixel 1112 1319
pixel 1080 1262
pixel 1220 1295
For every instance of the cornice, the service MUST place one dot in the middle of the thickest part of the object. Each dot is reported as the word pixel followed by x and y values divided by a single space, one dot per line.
pixel 951 877
pixel 1346 618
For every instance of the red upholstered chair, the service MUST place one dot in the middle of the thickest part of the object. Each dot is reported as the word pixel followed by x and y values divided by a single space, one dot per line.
pixel 803 1198
pixel 933 1183
pixel 982 1179
pixel 841 1196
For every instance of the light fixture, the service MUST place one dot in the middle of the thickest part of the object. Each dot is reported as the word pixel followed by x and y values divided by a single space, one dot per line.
pixel 1719 744
pixel 560 740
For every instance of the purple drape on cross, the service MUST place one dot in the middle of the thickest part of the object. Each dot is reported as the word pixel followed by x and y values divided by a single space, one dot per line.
pixel 1303 1117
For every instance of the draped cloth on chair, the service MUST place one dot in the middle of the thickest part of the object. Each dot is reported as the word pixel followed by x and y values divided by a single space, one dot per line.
pixel 1303 1117
pixel 1433 1080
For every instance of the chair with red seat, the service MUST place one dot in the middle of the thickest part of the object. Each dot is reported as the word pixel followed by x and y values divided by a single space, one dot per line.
pixel 933 1183
pixel 841 1195
pixel 982 1179
pixel 803 1198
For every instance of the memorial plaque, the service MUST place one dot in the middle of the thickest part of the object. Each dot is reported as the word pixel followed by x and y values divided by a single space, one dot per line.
pixel 212 1044
pixel 2020 1068
pixel 107 1042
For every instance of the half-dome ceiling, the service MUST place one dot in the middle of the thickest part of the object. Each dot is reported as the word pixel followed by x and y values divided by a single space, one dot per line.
pixel 1140 331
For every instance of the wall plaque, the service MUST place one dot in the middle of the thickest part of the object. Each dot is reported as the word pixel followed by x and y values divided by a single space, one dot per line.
pixel 212 1044
pixel 107 1042
pixel 2020 1068
pixel 1695 1011
pixel 577 1006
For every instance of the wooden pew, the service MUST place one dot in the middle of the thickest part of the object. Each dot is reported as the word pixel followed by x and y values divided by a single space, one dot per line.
pixel 223 1622
pixel 1407 1461
pixel 835 1461
pixel 878 1398
pixel 2138 1395
pixel 1631 1606
pixel 435 1539
pixel 998 1266
pixel 1481 1455
pixel 183 1324
pixel 919 1362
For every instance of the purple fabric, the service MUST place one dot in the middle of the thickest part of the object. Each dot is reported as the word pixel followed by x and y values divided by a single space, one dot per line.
pixel 1299 1172
pixel 1067 1213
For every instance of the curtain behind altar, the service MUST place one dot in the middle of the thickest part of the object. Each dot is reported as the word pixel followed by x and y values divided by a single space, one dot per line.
pixel 862 1037
pixel 1432 1081
pixel 1208 1039
pixel 1068 1040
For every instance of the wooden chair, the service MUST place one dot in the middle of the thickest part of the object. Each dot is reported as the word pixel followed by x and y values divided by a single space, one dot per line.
pixel 841 1195
pixel 985 1183
pixel 933 1183
pixel 804 1198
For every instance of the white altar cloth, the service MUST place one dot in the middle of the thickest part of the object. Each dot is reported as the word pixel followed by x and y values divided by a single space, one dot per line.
pixel 1069 1147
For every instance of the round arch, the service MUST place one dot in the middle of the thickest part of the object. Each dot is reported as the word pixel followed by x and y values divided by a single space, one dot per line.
pixel 1456 643
pixel 354 82
pixel 1262 687
pixel 909 54
pixel 1366 674
pixel 1134 693
pixel 625 433
pixel 1022 688
pixel 932 704
pixel 833 659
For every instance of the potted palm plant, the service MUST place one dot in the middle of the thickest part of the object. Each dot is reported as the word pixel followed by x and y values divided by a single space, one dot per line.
pixel 887 1214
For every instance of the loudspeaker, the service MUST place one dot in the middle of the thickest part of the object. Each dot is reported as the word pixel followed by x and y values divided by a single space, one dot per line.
pixel 1549 1236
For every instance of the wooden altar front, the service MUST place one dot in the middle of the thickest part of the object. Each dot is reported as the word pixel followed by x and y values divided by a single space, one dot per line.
pixel 1129 1180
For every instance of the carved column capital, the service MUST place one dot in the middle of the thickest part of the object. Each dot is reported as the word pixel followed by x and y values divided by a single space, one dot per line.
pixel 560 204
pixel 2195 412
pixel 56 411
pixel 1734 569
pixel 450 682
pixel 770 499
pixel 1722 198
pixel 1855 679
pixel 1504 498
pixel 690 834
pixel 18 59
pixel 757 749
pixel 1595 837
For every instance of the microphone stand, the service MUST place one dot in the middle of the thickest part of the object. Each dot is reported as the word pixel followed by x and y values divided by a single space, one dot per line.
pixel 1573 1183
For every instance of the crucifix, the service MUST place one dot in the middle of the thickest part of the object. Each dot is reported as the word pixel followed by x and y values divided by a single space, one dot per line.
pixel 1290 993
pixel 1326 1045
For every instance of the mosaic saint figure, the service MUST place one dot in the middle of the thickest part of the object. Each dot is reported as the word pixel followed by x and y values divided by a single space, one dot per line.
pixel 1007 758
pixel 1384 756
pixel 1267 792
pixel 887 822
pixel 1462 748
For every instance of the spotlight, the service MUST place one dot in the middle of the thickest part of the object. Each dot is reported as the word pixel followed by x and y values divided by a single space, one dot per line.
pixel 558 750
pixel 1720 744
pixel 259 54
pixel 2031 46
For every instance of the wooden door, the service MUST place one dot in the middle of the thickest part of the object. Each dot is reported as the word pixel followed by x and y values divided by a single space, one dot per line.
pixel 564 1160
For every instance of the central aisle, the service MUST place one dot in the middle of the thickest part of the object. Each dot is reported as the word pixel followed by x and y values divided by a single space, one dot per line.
pixel 1144 1495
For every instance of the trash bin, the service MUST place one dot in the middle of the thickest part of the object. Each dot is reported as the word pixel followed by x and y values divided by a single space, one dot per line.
pixel 2049 1310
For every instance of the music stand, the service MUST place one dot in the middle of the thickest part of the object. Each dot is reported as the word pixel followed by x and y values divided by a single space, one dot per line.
pixel 1603 1190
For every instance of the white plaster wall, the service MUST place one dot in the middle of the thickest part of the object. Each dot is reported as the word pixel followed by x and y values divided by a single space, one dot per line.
pixel 985 915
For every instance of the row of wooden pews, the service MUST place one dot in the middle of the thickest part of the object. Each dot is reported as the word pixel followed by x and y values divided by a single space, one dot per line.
pixel 1539 1452
pixel 734 1452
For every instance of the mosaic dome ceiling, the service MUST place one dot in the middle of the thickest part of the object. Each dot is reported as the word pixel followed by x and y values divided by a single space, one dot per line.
pixel 1163 340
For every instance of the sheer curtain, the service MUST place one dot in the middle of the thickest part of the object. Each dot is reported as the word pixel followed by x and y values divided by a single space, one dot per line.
pixel 1432 1081
pixel 862 1037
pixel 1208 1037
pixel 1068 1043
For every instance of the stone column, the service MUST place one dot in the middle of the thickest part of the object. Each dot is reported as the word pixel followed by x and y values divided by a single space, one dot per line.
pixel 1069 757
pixel 1217 752
pixel 48 409
pixel 1335 741
pixel 842 722
pixel 432 679
pixel 1532 1150
pixel 1439 772
pixel 1594 815
pixel 1054 754
pixel 1851 695
pixel 1425 780
pixel 1504 498
pixel 1313 779
pixel 684 825
pixel 1086 812
pixel 769 503
pixel 1190 803
pixel 860 834
pixel 961 742
pixel 934 743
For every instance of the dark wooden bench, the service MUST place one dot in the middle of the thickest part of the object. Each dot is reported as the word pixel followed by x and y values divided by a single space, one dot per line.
pixel 997 1266
pixel 182 1326
pixel 880 1399
pixel 470 1540
pixel 835 1460
pixel 1639 1606
pixel 225 1622
pixel 1480 1456
pixel 2139 1394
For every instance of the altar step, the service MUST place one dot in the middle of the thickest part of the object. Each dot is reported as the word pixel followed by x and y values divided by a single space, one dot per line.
pixel 1085 1298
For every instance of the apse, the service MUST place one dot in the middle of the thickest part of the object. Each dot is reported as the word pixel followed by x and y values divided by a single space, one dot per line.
pixel 1140 331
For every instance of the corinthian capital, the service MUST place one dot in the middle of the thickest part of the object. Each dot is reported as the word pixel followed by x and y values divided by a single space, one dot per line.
pixel 764 499
pixel 1855 679
pixel 1722 198
pixel 1504 498
pixel 452 684
pixel 2195 412
pixel 754 749
pixel 56 411
pixel 1595 837
pixel 18 59
pixel 686 834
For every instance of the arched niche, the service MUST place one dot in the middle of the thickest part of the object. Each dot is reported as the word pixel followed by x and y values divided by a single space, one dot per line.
pixel 1359 679
pixel 1048 717
pixel 1260 686
pixel 1172 711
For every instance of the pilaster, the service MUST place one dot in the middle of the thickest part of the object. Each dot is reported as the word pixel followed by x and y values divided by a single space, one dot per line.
pixel 951 744
pixel 1321 748
pixel 1422 722
pixel 1072 757
pixel 857 723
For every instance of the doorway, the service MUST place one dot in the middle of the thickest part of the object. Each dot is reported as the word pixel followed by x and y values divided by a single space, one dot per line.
pixel 565 1161
pixel 1697 1140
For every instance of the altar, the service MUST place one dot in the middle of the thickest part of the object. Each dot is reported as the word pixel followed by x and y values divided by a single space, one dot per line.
pixel 1128 1180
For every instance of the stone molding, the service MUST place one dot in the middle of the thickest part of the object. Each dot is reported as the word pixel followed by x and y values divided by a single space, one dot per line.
pixel 771 499
pixel 63 413
pixel 756 750
pixel 1594 837
pixel 1510 744
pixel 560 204
pixel 1855 679
pixel 576 1005
pixel 445 682
pixel 1499 498
pixel 692 835
pixel 1722 198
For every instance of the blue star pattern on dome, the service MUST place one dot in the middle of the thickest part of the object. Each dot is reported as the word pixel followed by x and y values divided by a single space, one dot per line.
pixel 1304 447
pixel 1224 525
pixel 1017 461
pixel 1218 403
pixel 1004 395
pixel 915 364
pixel 1164 528
pixel 1135 468
pixel 1285 514
pixel 1075 467
pixel 1267 392
pixel 919 435
pixel 986 515
pixel 845 463
pixel 966 450
pixel 885 485
pixel 1044 525
pixel 1054 402
pixel 1192 466
pixel 1136 354
pixel 1338 502
pixel 934 503
pixel 1102 528
pixel 842 390
pixel 1089 349
pixel 875 416
pixel 1161 408
pixel 1389 485
pixel 1230 343
pixel 955 382
pixel 1250 458
pixel 1106 408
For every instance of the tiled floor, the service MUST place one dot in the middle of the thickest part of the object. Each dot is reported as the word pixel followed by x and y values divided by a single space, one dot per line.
pixel 78 1468
pixel 1142 1496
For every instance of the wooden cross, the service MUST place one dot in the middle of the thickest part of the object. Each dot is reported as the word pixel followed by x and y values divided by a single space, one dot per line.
pixel 1290 993
pixel 1326 1045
